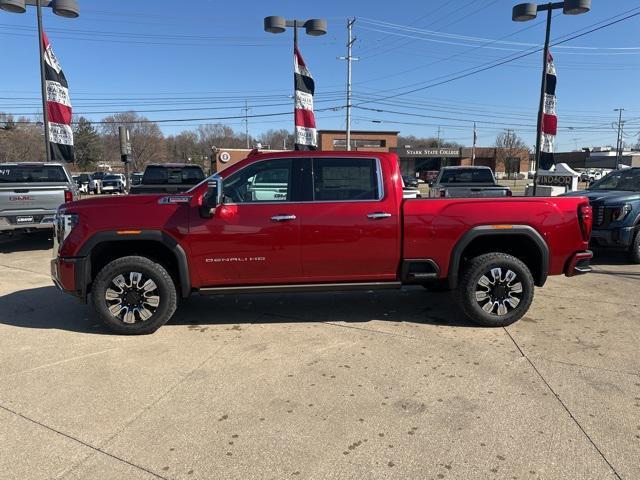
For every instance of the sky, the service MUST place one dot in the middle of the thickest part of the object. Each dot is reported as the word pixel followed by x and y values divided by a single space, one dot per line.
pixel 188 63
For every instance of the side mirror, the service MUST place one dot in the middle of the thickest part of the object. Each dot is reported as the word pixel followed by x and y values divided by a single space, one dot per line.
pixel 211 198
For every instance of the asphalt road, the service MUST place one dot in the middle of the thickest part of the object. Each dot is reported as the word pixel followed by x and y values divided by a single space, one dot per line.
pixel 384 385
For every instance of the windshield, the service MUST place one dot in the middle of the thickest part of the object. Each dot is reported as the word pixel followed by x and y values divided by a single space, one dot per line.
pixel 99 175
pixel 111 177
pixel 466 175
pixel 173 175
pixel 627 180
pixel 32 173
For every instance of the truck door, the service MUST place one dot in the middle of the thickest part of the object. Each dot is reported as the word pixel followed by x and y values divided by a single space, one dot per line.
pixel 254 237
pixel 350 226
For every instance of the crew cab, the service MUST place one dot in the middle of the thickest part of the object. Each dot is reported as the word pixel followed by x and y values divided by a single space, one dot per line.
pixel 465 182
pixel 329 221
pixel 615 200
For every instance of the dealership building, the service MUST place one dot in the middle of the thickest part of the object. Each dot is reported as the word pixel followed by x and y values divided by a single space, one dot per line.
pixel 414 160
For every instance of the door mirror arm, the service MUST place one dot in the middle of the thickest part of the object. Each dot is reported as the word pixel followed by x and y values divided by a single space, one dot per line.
pixel 212 198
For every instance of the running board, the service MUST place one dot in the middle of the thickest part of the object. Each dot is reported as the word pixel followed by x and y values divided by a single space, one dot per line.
pixel 307 287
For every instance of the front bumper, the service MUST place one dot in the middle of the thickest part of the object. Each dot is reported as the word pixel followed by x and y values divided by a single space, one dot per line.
pixel 579 264
pixel 69 274
pixel 619 238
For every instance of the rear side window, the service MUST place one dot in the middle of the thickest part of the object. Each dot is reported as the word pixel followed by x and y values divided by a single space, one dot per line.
pixel 466 175
pixel 343 179
pixel 32 174
pixel 173 175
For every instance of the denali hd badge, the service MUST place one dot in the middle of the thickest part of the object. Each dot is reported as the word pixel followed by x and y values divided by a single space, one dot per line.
pixel 235 259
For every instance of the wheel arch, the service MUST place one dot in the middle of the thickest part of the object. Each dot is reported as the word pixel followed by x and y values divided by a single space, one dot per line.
pixel 496 238
pixel 105 246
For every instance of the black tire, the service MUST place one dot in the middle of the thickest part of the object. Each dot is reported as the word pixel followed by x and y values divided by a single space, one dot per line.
pixel 500 293
pixel 634 252
pixel 156 301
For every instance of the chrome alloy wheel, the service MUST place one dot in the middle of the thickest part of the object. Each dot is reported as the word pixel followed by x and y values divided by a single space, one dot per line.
pixel 134 300
pixel 499 293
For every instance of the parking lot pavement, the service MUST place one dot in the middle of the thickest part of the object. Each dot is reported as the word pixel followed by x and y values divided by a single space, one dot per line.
pixel 391 384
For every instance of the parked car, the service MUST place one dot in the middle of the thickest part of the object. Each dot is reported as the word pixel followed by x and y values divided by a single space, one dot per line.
pixel 168 178
pixel 96 182
pixel 409 181
pixel 615 200
pixel 83 182
pixel 30 194
pixel 341 224
pixel 465 182
pixel 112 183
pixel 136 178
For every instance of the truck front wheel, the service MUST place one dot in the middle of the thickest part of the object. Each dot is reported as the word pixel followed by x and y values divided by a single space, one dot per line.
pixel 495 289
pixel 133 295
pixel 634 252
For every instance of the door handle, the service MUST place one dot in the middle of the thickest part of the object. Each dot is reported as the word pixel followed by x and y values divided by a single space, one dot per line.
pixel 283 218
pixel 378 215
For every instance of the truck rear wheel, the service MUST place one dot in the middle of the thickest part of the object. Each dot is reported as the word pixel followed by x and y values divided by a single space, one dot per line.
pixel 133 295
pixel 495 290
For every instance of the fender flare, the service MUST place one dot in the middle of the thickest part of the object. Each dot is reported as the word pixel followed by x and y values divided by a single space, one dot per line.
pixel 490 230
pixel 152 235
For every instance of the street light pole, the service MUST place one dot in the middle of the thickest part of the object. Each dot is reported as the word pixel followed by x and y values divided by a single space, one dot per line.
pixel 543 89
pixel 43 85
pixel 314 27
pixel 528 11
pixel 62 8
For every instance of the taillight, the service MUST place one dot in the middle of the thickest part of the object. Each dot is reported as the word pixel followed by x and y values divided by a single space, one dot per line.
pixel 68 196
pixel 585 215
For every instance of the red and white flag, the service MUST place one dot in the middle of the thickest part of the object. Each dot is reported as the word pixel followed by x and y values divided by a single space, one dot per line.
pixel 549 118
pixel 306 134
pixel 58 107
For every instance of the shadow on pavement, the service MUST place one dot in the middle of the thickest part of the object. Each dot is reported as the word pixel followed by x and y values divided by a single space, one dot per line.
pixel 48 308
pixel 25 242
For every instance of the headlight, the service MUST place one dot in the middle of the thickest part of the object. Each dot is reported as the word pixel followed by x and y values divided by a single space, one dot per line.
pixel 619 213
pixel 64 223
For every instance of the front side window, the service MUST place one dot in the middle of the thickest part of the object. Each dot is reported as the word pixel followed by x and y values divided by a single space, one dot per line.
pixel 341 179
pixel 267 181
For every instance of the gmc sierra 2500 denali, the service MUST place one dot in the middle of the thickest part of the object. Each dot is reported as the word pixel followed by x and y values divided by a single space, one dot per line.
pixel 298 221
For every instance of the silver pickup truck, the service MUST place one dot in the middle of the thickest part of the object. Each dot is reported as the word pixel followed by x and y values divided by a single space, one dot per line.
pixel 467 182
pixel 30 194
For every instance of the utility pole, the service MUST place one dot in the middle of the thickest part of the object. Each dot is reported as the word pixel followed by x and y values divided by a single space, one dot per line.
pixel 619 142
pixel 473 149
pixel 438 141
pixel 246 122
pixel 349 58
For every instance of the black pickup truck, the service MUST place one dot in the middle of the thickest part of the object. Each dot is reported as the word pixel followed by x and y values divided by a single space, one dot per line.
pixel 168 178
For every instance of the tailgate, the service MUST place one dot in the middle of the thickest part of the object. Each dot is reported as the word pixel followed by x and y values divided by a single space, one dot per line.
pixel 31 198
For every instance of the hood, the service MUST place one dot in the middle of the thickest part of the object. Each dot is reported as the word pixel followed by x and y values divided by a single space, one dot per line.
pixel 606 197
pixel 121 201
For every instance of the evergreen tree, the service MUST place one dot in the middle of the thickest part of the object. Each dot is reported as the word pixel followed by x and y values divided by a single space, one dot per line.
pixel 88 145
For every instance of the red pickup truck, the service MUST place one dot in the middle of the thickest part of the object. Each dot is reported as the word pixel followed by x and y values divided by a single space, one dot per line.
pixel 299 221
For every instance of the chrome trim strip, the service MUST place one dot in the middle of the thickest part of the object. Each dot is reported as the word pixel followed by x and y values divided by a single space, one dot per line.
pixel 302 287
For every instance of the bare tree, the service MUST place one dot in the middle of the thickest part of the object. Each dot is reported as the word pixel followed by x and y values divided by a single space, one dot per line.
pixel 20 140
pixel 147 140
pixel 277 139
pixel 509 148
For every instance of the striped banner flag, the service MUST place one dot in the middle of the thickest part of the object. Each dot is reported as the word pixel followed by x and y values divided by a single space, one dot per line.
pixel 306 134
pixel 549 118
pixel 58 107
